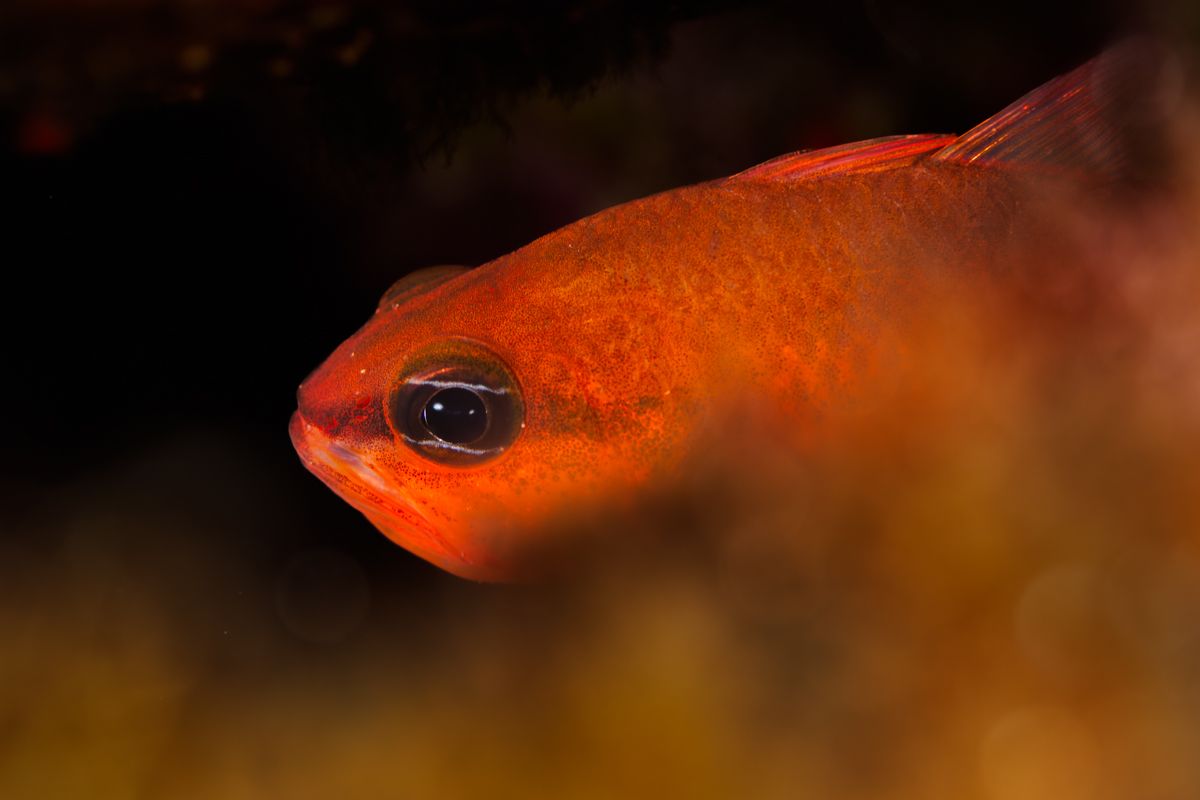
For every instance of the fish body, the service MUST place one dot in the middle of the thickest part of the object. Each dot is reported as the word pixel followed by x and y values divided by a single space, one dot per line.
pixel 477 404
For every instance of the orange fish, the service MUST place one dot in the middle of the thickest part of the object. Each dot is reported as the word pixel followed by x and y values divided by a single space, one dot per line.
pixel 478 404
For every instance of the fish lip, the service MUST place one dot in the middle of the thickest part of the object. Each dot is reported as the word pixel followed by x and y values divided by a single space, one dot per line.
pixel 387 507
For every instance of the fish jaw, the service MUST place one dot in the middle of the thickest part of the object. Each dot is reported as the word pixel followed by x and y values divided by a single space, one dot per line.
pixel 390 508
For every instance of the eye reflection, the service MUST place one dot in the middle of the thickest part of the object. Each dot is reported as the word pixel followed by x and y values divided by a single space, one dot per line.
pixel 458 416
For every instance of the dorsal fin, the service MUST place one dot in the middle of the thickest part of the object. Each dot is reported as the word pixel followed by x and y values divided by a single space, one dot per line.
pixel 1103 122
pixel 417 282
pixel 1098 121
pixel 872 155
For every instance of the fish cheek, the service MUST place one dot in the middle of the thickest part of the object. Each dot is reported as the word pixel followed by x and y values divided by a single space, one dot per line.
pixel 573 450
pixel 562 437
pixel 480 514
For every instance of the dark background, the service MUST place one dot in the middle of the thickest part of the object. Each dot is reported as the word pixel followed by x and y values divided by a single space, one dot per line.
pixel 201 200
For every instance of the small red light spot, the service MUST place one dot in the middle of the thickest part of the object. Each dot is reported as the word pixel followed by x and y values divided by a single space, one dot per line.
pixel 43 134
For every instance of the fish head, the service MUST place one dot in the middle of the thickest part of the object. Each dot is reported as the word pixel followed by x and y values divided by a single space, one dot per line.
pixel 409 420
pixel 458 420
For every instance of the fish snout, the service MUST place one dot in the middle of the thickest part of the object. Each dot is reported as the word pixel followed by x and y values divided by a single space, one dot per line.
pixel 343 405
pixel 394 509
pixel 318 404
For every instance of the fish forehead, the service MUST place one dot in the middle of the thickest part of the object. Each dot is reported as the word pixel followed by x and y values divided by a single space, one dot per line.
pixel 650 235
pixel 704 244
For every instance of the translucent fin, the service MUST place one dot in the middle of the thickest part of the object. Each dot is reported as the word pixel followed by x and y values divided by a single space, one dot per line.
pixel 872 155
pixel 417 282
pixel 1097 121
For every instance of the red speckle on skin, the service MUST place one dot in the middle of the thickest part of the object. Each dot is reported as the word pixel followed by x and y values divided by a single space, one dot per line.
pixel 362 409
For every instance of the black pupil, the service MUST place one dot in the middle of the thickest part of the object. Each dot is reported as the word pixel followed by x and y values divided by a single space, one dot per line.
pixel 457 416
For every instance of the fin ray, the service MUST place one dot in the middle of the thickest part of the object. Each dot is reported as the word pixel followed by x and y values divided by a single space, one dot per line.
pixel 1096 121
pixel 871 155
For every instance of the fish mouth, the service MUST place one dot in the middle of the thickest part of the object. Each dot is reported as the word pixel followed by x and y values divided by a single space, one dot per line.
pixel 388 507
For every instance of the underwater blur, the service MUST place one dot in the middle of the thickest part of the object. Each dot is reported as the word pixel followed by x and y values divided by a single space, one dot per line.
pixel 982 581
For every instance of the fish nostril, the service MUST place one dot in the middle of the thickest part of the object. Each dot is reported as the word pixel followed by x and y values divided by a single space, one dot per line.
pixel 314 403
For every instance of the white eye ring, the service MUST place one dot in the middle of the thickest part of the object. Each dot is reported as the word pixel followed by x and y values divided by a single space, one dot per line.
pixel 458 448
pixel 478 388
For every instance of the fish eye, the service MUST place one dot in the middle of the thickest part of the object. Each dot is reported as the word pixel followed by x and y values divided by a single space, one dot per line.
pixel 459 405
